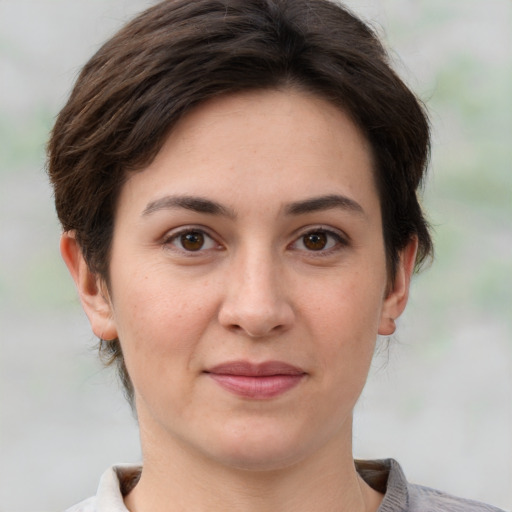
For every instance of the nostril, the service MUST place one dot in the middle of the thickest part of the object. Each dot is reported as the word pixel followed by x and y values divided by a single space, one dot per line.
pixel 256 309
pixel 258 330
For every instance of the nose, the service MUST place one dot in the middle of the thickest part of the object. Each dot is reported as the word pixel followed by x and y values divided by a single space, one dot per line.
pixel 255 302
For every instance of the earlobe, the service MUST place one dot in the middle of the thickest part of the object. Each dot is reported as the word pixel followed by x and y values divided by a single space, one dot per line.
pixel 396 300
pixel 91 289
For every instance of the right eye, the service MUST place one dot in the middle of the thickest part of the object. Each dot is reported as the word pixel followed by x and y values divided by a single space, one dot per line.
pixel 191 240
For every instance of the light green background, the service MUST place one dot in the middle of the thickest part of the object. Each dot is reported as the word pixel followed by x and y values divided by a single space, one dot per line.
pixel 439 399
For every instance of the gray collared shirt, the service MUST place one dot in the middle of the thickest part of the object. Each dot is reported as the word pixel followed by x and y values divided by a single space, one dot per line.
pixel 386 476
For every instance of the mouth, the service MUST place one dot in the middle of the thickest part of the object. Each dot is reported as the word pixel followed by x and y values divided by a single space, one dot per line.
pixel 257 381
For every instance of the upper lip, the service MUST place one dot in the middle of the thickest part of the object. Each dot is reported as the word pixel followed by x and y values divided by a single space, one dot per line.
pixel 248 369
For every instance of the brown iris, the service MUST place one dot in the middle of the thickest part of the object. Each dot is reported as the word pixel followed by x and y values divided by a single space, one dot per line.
pixel 315 241
pixel 192 241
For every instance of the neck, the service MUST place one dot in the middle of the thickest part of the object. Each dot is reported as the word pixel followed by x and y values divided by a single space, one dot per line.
pixel 174 480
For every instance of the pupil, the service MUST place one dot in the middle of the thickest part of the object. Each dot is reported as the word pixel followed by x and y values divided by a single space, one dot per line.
pixel 192 241
pixel 315 241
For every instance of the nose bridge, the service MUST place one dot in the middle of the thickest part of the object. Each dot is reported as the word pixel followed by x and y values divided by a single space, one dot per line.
pixel 259 279
pixel 255 300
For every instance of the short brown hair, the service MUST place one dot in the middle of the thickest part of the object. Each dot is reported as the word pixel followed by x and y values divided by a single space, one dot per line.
pixel 180 53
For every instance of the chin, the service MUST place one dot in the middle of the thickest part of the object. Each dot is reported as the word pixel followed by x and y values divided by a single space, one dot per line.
pixel 257 446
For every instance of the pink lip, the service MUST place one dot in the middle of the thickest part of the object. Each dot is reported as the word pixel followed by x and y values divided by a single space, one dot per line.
pixel 257 381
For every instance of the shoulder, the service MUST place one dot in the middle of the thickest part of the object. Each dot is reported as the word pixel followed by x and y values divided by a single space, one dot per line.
pixel 115 483
pixel 88 505
pixel 387 477
pixel 424 499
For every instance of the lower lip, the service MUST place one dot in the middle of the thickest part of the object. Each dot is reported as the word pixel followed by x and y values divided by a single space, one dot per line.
pixel 261 387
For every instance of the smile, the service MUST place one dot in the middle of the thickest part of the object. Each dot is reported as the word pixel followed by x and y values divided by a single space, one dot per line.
pixel 256 381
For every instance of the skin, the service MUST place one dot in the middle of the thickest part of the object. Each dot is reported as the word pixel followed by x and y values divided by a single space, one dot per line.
pixel 284 271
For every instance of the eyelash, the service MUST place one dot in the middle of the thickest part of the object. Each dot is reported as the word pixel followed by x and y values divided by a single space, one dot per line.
pixel 337 241
pixel 334 239
pixel 170 239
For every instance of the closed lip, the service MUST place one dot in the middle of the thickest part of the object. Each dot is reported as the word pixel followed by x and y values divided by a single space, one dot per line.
pixel 249 369
pixel 256 381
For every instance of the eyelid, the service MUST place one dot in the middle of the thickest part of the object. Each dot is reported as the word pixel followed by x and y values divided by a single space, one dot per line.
pixel 341 239
pixel 174 234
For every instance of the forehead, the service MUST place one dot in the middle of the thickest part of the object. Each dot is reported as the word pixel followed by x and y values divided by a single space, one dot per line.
pixel 260 142
pixel 281 119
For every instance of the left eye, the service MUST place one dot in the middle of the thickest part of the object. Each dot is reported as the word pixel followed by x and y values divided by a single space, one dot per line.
pixel 319 240
pixel 193 240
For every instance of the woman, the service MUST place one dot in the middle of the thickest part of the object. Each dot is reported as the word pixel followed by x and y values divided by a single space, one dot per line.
pixel 237 183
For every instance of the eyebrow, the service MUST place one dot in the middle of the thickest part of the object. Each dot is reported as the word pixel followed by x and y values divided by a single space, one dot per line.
pixel 203 205
pixel 321 203
pixel 193 203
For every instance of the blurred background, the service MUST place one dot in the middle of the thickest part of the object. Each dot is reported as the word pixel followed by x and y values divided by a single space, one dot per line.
pixel 439 398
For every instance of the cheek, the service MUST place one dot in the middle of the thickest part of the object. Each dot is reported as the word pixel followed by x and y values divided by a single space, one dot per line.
pixel 160 321
pixel 345 327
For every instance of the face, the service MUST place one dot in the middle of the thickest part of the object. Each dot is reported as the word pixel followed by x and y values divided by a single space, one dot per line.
pixel 248 280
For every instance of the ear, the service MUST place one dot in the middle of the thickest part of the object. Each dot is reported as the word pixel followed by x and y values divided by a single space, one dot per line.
pixel 398 294
pixel 91 289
